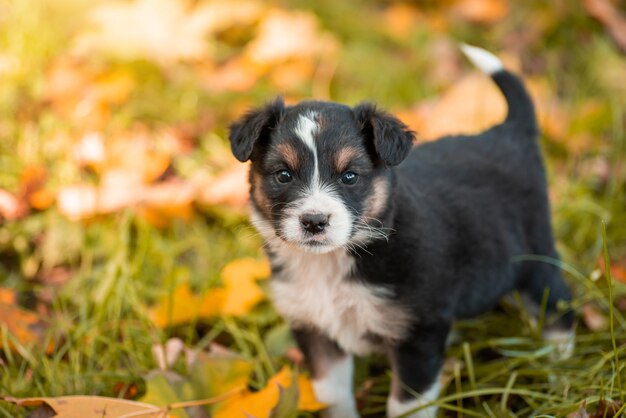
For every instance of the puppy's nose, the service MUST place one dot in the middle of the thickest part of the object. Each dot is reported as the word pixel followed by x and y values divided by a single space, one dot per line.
pixel 314 222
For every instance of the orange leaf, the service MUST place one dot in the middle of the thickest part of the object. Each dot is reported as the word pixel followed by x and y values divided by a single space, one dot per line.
pixel 7 296
pixel 259 404
pixel 26 326
pixel 482 11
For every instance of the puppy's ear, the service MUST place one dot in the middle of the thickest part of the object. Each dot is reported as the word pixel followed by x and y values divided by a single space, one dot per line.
pixel 254 127
pixel 391 138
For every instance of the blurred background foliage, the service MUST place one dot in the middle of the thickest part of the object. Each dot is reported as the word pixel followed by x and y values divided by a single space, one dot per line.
pixel 117 186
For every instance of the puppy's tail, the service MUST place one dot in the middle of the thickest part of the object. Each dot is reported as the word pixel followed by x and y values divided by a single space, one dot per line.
pixel 521 110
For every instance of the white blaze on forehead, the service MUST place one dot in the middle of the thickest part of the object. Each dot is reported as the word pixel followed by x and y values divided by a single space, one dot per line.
pixel 306 129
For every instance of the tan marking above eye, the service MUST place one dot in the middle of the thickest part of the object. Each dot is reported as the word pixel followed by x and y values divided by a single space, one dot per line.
pixel 289 154
pixel 343 158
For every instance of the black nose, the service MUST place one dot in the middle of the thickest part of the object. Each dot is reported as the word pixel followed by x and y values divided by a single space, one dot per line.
pixel 314 222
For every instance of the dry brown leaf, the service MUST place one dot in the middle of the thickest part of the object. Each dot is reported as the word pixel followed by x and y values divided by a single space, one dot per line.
pixel 482 11
pixel 92 407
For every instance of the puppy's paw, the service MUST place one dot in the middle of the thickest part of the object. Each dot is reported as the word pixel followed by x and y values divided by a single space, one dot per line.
pixel 396 408
pixel 563 342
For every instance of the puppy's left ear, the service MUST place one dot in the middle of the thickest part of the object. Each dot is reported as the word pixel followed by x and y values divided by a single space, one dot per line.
pixel 391 138
pixel 253 128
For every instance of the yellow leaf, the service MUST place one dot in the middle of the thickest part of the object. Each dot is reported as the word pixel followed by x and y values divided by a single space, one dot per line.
pixel 245 268
pixel 307 401
pixel 187 306
pixel 238 296
pixel 91 406
pixel 260 404
pixel 242 292
pixel 241 296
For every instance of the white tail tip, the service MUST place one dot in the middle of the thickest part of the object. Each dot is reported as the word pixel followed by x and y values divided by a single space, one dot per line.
pixel 484 60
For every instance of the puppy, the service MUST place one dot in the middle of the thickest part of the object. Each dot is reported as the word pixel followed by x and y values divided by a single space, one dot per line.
pixel 376 245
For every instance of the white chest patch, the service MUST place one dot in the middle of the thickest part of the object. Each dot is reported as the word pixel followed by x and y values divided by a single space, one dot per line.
pixel 313 289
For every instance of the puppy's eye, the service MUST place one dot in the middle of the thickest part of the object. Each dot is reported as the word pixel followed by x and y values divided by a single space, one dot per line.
pixel 349 177
pixel 283 176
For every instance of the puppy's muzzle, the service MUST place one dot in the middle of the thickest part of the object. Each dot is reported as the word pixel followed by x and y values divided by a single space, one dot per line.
pixel 314 223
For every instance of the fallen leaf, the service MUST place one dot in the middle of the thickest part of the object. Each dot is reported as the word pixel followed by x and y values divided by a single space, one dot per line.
pixel 26 326
pixel 10 206
pixel 469 106
pixel 183 306
pixel 230 187
pixel 164 387
pixel 260 404
pixel 237 297
pixel 401 19
pixel 245 268
pixel 7 296
pixel 481 11
pixel 168 31
pixel 91 406
pixel 242 292
pixel 285 35
pixel 216 373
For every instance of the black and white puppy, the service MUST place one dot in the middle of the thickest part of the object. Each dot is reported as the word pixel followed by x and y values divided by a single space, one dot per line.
pixel 376 245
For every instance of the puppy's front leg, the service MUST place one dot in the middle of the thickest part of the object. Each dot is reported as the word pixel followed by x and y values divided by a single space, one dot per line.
pixel 331 369
pixel 416 365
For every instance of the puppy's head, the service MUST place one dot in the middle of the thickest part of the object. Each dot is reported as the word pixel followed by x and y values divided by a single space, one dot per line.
pixel 319 178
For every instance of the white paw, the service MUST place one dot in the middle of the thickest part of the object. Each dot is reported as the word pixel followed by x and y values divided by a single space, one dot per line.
pixel 563 342
pixel 396 408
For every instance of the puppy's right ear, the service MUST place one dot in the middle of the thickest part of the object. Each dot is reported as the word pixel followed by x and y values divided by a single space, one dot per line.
pixel 254 127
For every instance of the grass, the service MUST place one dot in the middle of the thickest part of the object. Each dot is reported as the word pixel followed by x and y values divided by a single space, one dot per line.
pixel 120 264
